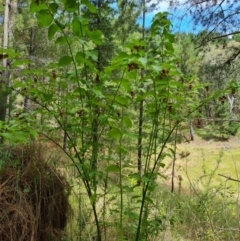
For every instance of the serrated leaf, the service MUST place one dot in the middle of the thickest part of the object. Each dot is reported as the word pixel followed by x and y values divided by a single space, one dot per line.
pixel 65 60
pixel 96 36
pixel 113 168
pixel 53 28
pixel 127 121
pixel 90 6
pixel 114 133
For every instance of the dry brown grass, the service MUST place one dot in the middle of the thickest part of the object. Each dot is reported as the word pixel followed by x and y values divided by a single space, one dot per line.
pixel 33 197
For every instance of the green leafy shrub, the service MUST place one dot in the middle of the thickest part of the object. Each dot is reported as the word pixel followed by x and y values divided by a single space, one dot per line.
pixel 233 127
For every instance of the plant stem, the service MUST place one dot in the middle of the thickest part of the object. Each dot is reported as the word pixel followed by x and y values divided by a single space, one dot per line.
pixel 140 119
pixel 174 159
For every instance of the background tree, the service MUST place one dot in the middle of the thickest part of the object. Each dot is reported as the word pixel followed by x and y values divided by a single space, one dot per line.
pixel 214 16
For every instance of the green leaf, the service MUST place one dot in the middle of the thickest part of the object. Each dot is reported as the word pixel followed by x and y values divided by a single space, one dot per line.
pixel 53 7
pixel 81 59
pixel 114 133
pixel 60 25
pixel 170 37
pixel 148 199
pixel 93 54
pixel 52 30
pixel 71 5
pixel 122 56
pixel 96 36
pixel 133 74
pixel 20 62
pixel 169 46
pixel 44 18
pixel 47 97
pixel 126 84
pixel 131 135
pixel 127 121
pixel 9 136
pixel 76 27
pixel 90 7
pixel 161 164
pixel 121 100
pixel 33 133
pixel 93 198
pixel 65 60
pixel 136 197
pixel 61 40
pixel 143 61
pixel 97 92
pixel 34 7
pixel 113 168
pixel 157 68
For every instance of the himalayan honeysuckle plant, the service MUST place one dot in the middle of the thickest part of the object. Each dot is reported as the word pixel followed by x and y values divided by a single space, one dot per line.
pixel 90 112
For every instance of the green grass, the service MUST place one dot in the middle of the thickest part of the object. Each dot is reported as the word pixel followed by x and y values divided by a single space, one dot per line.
pixel 200 158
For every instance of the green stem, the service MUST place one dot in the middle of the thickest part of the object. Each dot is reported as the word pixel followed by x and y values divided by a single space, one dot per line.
pixel 120 177
pixel 145 189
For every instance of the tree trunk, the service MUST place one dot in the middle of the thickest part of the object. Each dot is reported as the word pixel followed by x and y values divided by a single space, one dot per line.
pixel 9 10
pixel 4 75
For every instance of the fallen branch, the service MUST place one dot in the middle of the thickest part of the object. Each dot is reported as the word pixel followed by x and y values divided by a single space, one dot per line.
pixel 229 178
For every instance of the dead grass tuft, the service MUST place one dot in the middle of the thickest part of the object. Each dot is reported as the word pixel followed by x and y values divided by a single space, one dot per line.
pixel 33 197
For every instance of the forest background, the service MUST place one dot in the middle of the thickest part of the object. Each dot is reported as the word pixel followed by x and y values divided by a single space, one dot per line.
pixel 125 111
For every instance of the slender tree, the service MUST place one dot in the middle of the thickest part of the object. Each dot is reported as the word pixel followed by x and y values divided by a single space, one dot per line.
pixel 214 16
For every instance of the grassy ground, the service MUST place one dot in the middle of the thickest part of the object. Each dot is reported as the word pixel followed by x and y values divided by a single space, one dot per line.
pixel 202 216
pixel 200 157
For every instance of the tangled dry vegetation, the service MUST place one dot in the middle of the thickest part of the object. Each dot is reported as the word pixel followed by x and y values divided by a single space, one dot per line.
pixel 33 197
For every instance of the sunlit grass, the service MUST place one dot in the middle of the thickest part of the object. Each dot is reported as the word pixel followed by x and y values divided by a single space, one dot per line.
pixel 195 162
pixel 200 157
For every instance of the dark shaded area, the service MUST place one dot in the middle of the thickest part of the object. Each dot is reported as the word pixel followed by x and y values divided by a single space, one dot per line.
pixel 33 197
